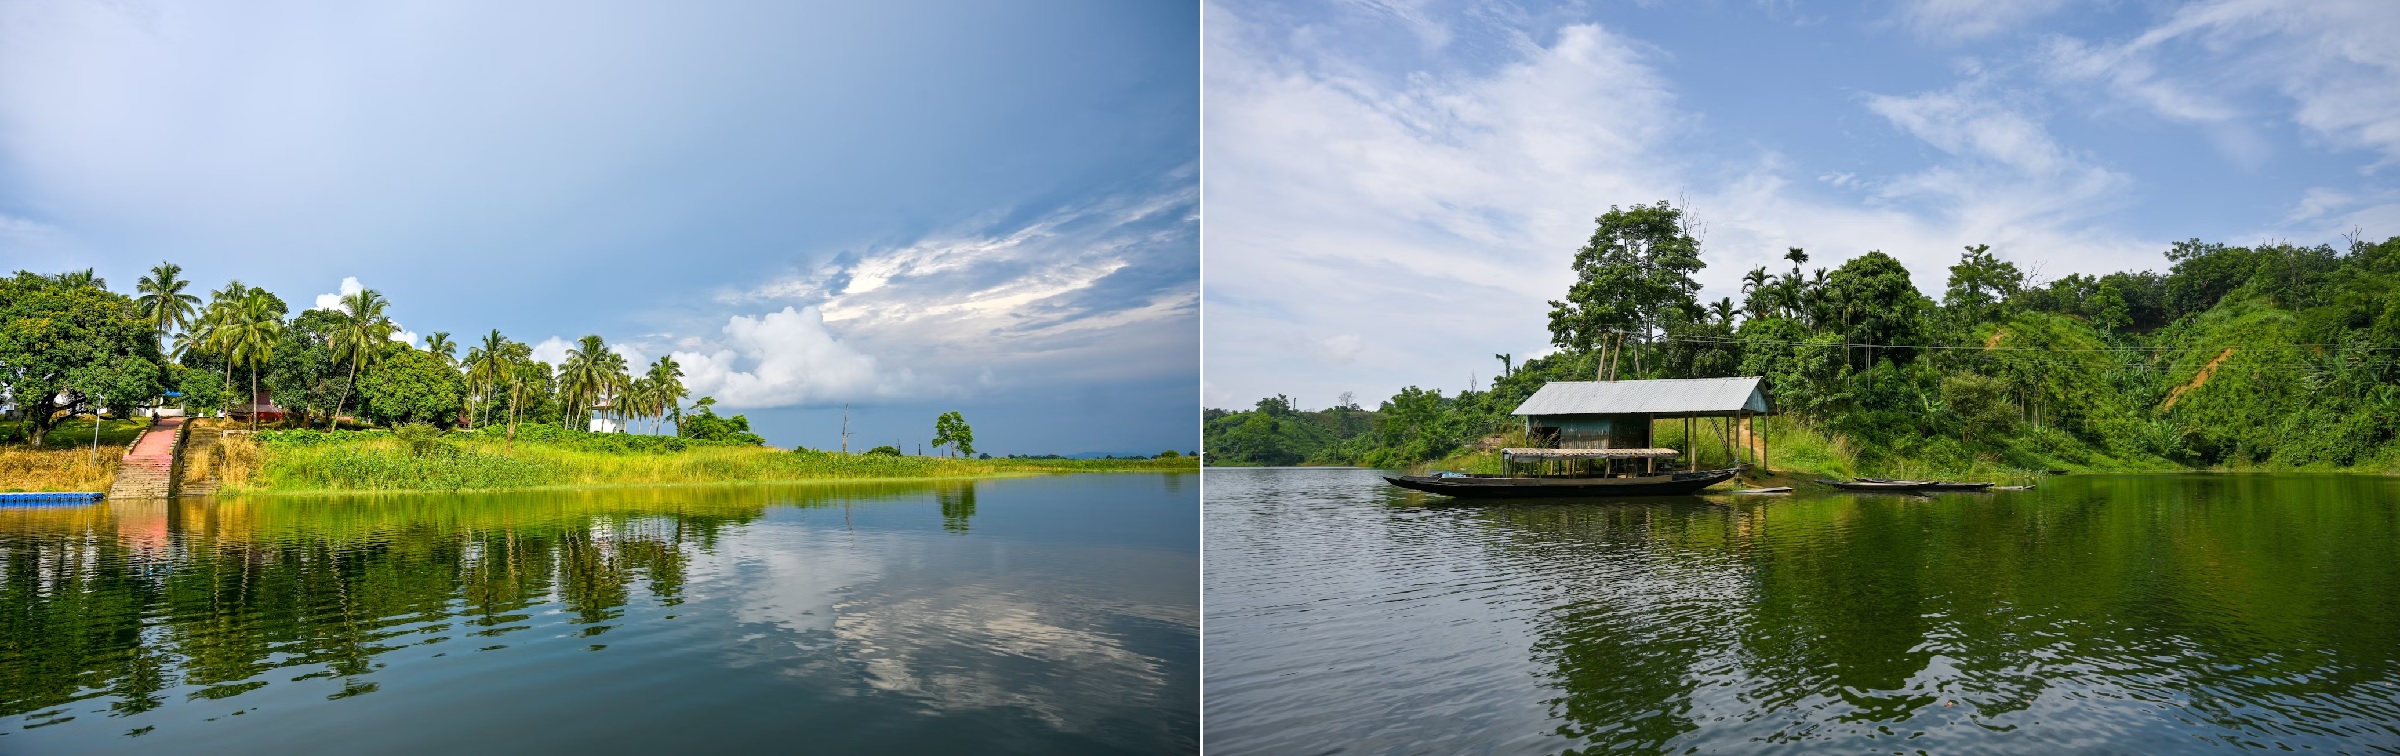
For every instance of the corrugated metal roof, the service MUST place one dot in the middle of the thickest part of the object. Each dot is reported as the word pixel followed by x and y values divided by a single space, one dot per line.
pixel 1666 396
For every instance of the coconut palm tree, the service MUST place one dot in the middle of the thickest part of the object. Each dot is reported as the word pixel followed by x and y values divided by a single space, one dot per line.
pixel 487 368
pixel 209 334
pixel 249 338
pixel 86 277
pixel 666 381
pixel 586 377
pixel 521 370
pixel 442 347
pixel 163 302
pixel 359 340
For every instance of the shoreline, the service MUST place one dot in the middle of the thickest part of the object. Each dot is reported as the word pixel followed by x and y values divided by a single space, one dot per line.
pixel 1004 475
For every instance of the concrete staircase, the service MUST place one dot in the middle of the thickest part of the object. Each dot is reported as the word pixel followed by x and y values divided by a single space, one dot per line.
pixel 148 471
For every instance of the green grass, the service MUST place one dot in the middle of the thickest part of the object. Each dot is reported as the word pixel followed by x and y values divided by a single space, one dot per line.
pixel 75 433
pixel 310 461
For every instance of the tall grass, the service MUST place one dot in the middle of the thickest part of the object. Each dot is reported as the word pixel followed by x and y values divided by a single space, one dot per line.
pixel 312 461
pixel 23 469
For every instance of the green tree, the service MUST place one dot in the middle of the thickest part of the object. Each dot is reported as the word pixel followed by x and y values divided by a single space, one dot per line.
pixel 250 337
pixel 1874 303
pixel 951 430
pixel 1981 284
pixel 708 426
pixel 67 348
pixel 408 385
pixel 360 340
pixel 163 300
pixel 588 376
pixel 2109 308
pixel 440 346
pixel 1981 403
pixel 1633 276
pixel 304 376
pixel 667 391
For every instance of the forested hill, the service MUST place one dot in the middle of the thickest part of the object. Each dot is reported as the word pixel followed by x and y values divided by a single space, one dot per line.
pixel 2265 356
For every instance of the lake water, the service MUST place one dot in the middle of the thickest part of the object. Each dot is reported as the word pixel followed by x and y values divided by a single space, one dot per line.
pixel 1043 615
pixel 2112 614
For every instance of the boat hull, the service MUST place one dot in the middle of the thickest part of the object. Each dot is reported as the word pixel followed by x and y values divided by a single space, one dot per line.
pixel 1676 484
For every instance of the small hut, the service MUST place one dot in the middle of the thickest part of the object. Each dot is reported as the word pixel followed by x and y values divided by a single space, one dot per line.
pixel 1574 424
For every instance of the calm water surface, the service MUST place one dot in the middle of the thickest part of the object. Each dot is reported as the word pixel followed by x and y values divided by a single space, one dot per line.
pixel 2109 614
pixel 1048 615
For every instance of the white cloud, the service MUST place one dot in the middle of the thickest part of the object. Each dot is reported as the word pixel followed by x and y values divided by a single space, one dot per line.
pixel 784 358
pixel 403 335
pixel 349 286
pixel 552 351
pixel 1434 213
pixel 2332 59
pixel 1054 294
pixel 1968 19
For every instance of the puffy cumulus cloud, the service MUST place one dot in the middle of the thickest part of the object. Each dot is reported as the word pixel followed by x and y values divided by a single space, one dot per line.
pixel 1447 201
pixel 552 351
pixel 403 335
pixel 333 301
pixel 787 357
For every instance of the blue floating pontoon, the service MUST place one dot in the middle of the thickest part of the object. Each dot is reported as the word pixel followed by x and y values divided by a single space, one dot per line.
pixel 23 499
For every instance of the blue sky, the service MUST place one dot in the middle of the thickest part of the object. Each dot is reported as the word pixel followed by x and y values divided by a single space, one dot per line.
pixel 908 207
pixel 1394 188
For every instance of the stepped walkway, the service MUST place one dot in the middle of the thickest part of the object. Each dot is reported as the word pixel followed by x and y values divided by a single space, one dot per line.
pixel 148 471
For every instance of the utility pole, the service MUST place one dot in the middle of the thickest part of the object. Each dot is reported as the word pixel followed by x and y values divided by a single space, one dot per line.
pixel 845 427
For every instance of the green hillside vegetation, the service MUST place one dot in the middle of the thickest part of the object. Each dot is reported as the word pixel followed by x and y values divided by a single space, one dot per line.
pixel 2267 357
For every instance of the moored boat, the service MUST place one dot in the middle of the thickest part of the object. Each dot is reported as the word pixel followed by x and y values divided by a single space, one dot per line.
pixel 1934 485
pixel 1483 486
pixel 1882 486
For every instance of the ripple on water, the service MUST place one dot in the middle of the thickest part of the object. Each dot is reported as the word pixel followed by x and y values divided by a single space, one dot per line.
pixel 2120 613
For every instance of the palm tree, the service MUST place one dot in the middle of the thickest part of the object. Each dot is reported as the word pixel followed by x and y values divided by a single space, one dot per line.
pixel 521 370
pixel 86 277
pixel 163 301
pixel 249 335
pixel 1754 290
pixel 585 377
pixel 1723 309
pixel 212 328
pixel 441 346
pixel 488 366
pixel 359 340
pixel 666 384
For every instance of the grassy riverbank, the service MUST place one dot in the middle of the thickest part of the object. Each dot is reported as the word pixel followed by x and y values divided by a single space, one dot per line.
pixel 65 460
pixel 543 457
pixel 1801 451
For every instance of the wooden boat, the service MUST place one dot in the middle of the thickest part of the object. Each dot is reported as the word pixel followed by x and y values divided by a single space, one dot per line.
pixel 1493 487
pixel 1934 485
pixel 22 498
pixel 1882 486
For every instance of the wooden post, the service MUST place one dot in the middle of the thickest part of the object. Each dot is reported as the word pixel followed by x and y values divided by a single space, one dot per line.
pixel 1762 443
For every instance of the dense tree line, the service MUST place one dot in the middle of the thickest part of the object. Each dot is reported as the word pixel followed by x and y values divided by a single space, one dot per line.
pixel 2268 354
pixel 70 346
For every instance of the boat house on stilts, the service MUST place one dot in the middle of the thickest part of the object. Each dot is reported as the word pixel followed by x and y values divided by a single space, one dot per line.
pixel 1584 428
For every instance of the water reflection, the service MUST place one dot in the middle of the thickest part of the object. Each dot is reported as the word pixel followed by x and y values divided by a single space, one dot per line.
pixel 2258 611
pixel 830 592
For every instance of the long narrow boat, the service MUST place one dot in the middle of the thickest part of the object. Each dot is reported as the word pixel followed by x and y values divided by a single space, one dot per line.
pixel 1883 486
pixel 72 497
pixel 1494 487
pixel 1934 485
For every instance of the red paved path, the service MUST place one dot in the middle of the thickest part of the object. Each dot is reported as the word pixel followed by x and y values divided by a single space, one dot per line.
pixel 149 468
